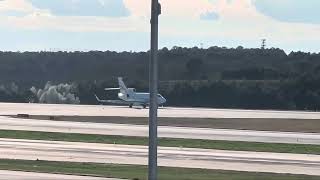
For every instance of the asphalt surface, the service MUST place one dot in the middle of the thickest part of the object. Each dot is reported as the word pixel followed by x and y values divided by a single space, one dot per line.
pixel 19 175
pixel 168 156
pixel 90 110
pixel 7 123
pixel 257 124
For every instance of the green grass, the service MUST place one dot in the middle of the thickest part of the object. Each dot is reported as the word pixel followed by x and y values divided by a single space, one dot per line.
pixel 140 172
pixel 188 143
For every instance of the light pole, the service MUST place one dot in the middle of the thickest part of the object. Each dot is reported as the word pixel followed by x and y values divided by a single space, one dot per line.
pixel 153 88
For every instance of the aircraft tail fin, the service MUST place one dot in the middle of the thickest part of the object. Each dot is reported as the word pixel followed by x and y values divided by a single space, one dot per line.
pixel 122 86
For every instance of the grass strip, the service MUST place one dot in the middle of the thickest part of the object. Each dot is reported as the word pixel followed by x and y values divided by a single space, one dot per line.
pixel 167 142
pixel 139 172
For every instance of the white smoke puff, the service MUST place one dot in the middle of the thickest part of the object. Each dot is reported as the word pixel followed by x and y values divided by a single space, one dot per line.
pixel 39 93
pixel 50 96
pixel 10 89
pixel 14 88
pixel 33 90
pixel 47 86
pixel 71 98
pixel 57 94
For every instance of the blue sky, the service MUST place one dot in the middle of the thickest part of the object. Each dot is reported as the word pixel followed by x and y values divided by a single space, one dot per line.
pixel 123 25
pixel 291 10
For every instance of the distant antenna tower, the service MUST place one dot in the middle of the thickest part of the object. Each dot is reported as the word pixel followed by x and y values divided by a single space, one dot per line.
pixel 263 44
pixel 201 45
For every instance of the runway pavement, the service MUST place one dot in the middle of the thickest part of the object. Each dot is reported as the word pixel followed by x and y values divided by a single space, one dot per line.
pixel 86 110
pixel 7 123
pixel 19 175
pixel 168 156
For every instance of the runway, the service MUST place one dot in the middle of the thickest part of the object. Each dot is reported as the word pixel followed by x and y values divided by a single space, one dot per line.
pixel 7 123
pixel 168 156
pixel 19 175
pixel 86 110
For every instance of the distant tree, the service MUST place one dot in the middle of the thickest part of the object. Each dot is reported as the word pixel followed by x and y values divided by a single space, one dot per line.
pixel 195 67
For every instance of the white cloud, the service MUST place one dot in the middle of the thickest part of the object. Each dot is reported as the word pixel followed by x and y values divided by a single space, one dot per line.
pixel 38 21
pixel 102 2
pixel 290 10
pixel 238 19
pixel 97 8
pixel 186 9
pixel 170 8
pixel 174 12
pixel 43 19
pixel 16 5
pixel 209 16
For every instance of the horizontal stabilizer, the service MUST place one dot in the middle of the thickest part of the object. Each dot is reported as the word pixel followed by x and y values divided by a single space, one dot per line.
pixel 111 89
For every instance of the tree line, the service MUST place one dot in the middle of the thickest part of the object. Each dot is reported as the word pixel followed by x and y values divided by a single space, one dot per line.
pixel 215 77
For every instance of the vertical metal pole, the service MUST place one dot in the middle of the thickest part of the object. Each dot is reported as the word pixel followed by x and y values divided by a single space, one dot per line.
pixel 153 88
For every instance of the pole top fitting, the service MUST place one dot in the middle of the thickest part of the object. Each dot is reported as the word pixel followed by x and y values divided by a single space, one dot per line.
pixel 159 9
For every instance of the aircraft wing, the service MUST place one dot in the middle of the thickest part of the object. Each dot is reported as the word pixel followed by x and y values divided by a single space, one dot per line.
pixel 116 102
pixel 110 101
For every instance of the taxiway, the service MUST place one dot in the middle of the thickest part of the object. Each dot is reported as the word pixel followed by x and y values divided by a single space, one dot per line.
pixel 19 175
pixel 90 110
pixel 7 123
pixel 168 156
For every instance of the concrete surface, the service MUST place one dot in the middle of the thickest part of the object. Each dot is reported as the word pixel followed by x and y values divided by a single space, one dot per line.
pixel 164 131
pixel 90 110
pixel 168 156
pixel 19 175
